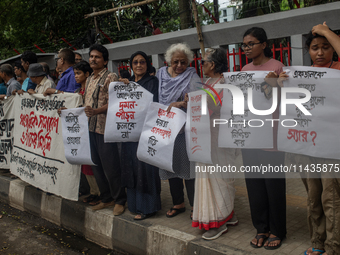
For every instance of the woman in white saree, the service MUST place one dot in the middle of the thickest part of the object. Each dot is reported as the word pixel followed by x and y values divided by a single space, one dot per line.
pixel 215 193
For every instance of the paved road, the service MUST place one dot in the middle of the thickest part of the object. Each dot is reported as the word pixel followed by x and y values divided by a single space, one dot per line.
pixel 24 234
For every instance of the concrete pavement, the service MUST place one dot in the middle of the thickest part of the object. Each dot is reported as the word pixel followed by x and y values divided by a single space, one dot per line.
pixel 159 234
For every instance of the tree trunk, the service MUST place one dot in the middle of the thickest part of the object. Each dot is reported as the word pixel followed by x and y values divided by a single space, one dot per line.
pixel 185 13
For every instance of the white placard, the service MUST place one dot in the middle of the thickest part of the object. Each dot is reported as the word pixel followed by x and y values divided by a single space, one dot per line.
pixel 128 104
pixel 315 135
pixel 76 136
pixel 248 130
pixel 6 131
pixel 197 129
pixel 38 156
pixel 156 143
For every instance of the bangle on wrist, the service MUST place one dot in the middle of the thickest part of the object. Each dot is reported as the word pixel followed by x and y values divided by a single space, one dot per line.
pixel 56 91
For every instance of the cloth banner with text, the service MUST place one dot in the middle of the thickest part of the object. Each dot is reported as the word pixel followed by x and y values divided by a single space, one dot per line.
pixel 38 156
pixel 156 143
pixel 128 104
pixel 316 134
pixel 248 130
pixel 6 131
pixel 76 136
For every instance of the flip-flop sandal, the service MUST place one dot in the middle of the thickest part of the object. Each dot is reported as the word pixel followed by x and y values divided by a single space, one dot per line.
pixel 145 216
pixel 271 239
pixel 95 201
pixel 90 198
pixel 177 211
pixel 317 250
pixel 258 237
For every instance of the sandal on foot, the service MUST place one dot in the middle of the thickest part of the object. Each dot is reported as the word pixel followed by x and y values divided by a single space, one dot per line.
pixel 144 216
pixel 191 213
pixel 315 250
pixel 271 239
pixel 95 201
pixel 90 198
pixel 177 211
pixel 258 237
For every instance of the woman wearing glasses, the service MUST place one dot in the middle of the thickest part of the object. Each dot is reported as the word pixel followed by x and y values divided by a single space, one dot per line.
pixel 141 179
pixel 267 196
pixel 174 83
pixel 215 193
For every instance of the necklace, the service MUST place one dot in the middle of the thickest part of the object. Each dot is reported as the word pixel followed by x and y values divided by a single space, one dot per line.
pixel 329 65
pixel 212 85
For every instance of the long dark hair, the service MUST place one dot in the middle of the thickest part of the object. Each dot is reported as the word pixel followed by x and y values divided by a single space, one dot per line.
pixel 260 35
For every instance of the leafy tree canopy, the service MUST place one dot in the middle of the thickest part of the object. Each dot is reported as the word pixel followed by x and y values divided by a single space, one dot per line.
pixel 44 22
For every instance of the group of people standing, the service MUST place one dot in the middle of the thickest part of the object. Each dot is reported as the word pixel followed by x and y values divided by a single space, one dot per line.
pixel 211 199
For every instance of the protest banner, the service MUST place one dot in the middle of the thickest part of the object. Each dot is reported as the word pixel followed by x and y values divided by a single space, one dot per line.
pixel 316 134
pixel 6 131
pixel 156 143
pixel 248 130
pixel 38 156
pixel 76 136
pixel 128 104
pixel 197 129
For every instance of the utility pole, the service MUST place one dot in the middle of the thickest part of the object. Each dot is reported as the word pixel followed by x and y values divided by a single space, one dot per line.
pixel 216 14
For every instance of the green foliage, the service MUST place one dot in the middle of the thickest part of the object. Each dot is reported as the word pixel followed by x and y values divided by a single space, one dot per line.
pixel 44 22
pixel 252 8
pixel 203 16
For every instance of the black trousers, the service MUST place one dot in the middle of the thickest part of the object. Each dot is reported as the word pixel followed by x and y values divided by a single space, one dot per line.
pixel 176 190
pixel 267 195
pixel 107 170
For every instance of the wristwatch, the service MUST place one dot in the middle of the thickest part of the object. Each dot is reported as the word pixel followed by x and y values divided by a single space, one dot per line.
pixel 5 97
pixel 56 91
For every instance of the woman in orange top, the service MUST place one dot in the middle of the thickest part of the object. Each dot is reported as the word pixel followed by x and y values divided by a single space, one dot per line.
pixel 323 207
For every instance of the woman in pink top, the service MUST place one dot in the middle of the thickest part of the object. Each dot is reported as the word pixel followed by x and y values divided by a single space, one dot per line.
pixel 267 195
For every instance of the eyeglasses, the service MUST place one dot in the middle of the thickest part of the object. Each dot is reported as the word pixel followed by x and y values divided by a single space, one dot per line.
pixel 56 59
pixel 142 62
pixel 249 45
pixel 176 62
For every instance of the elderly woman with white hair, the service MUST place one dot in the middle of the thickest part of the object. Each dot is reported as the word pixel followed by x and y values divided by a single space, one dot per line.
pixel 174 83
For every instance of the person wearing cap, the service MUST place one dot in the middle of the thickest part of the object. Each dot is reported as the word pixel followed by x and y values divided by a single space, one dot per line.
pixel 38 76
pixel 7 74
